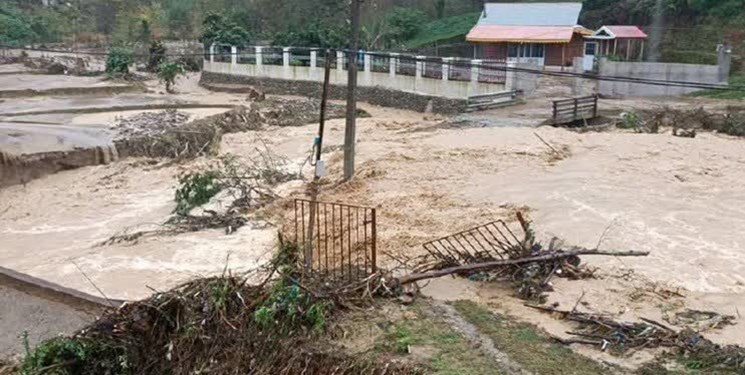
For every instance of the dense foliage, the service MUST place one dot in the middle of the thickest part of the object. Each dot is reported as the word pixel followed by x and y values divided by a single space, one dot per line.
pixel 168 72
pixel 156 55
pixel 690 28
pixel 118 61
pixel 219 30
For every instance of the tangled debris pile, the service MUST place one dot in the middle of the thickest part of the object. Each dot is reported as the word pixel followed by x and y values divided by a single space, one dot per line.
pixel 219 195
pixel 59 65
pixel 218 325
pixel 200 137
pixel 621 337
pixel 685 123
pixel 700 321
pixel 298 112
pixel 148 123
pixel 493 252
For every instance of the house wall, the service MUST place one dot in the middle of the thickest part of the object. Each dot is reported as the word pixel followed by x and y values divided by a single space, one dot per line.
pixel 574 48
pixel 494 51
pixel 553 54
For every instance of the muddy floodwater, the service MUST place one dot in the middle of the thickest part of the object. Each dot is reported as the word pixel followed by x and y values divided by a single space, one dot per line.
pixel 680 199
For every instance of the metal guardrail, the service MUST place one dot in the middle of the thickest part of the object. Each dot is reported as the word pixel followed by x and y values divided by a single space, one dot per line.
pixel 337 240
pixel 570 110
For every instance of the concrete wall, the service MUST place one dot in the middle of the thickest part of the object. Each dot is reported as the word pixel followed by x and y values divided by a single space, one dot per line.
pixel 709 74
pixel 376 95
pixel 417 83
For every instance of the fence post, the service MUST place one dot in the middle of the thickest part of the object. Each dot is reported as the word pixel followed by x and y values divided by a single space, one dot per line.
pixel 340 76
pixel 212 53
pixel 475 70
pixel 576 104
pixel 510 76
pixel 393 62
pixel 556 113
pixel 286 57
pixel 339 60
pixel 446 61
pixel 233 56
pixel 368 62
pixel 420 66
pixel 259 60
pixel 366 77
pixel 595 110
pixel 313 58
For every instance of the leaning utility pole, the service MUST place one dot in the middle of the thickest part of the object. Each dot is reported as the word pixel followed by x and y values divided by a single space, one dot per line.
pixel 351 128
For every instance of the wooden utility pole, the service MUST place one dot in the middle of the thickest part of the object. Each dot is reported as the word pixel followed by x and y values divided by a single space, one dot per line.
pixel 317 156
pixel 351 128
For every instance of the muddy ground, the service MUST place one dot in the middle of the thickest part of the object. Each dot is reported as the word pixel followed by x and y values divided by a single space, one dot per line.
pixel 428 176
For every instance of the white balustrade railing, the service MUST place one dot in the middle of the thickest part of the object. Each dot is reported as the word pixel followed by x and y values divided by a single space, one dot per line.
pixel 460 78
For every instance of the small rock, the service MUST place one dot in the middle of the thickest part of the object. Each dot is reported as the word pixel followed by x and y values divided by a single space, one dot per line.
pixel 406 299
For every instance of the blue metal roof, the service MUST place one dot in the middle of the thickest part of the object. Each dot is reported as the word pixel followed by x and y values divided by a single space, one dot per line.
pixel 531 14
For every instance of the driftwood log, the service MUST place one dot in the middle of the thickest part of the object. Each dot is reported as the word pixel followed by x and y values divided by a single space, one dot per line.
pixel 408 279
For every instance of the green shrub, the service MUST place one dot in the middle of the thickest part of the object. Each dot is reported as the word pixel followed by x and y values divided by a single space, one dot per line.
pixel 118 62
pixel 195 189
pixel 168 72
pixel 630 121
pixel 190 63
pixel 156 56
pixel 72 356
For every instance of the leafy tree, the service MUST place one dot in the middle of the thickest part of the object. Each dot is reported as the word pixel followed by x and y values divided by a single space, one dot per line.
pixel 118 61
pixel 219 30
pixel 402 24
pixel 314 35
pixel 15 27
pixel 156 56
pixel 168 72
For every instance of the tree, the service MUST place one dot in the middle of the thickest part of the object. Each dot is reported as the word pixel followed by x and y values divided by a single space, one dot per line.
pixel 402 24
pixel 118 62
pixel 168 73
pixel 156 56
pixel 219 30
pixel 313 35
pixel 440 8
pixel 15 26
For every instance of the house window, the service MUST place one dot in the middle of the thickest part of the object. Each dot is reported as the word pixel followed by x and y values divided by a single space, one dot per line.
pixel 526 50
pixel 536 50
pixel 590 48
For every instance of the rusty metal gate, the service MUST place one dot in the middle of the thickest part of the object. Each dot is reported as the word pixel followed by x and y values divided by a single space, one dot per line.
pixel 494 240
pixel 336 240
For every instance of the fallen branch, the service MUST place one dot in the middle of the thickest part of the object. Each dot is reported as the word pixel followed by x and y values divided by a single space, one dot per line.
pixel 510 262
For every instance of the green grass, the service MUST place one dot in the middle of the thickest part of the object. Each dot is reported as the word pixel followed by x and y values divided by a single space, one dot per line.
pixel 447 351
pixel 527 345
pixel 444 29
pixel 734 80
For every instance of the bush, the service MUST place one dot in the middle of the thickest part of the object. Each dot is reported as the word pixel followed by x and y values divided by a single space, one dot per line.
pixel 314 35
pixel 195 189
pixel 15 29
pixel 403 24
pixel 168 72
pixel 219 30
pixel 157 55
pixel 118 62
pixel 190 63
pixel 71 356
